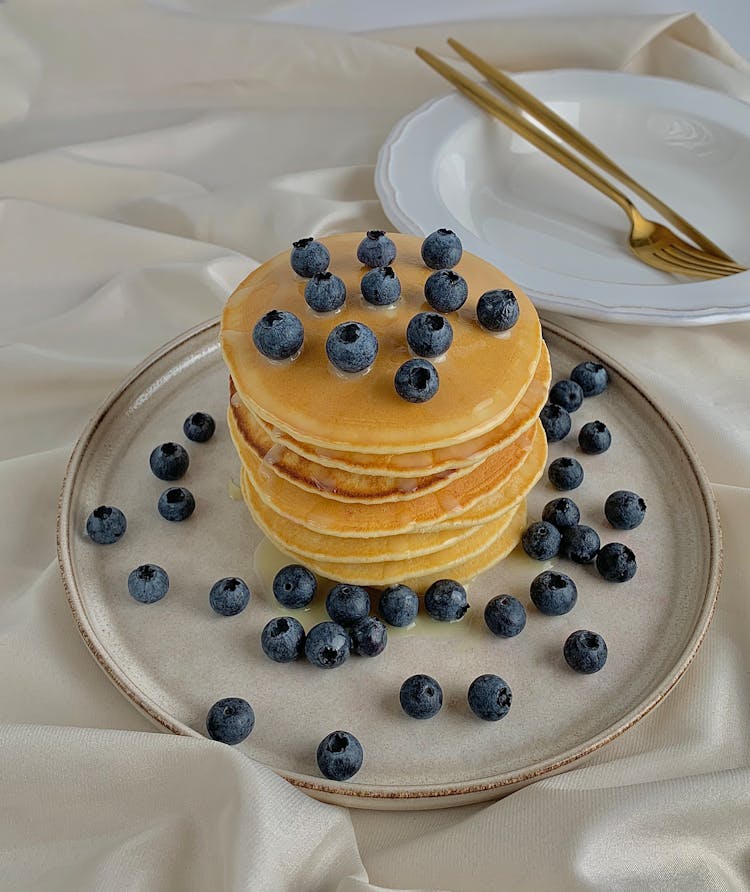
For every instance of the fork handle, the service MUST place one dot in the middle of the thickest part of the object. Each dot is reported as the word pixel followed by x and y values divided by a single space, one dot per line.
pixel 527 130
pixel 561 128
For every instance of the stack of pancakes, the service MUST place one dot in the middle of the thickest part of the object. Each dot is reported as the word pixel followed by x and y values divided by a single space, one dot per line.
pixel 358 484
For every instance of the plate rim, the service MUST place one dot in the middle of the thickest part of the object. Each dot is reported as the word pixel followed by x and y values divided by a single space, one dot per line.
pixel 547 298
pixel 380 795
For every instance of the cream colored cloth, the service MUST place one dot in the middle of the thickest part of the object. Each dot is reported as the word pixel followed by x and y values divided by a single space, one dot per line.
pixel 148 158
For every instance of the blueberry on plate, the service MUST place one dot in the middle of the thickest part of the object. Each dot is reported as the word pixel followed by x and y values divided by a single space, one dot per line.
pixel 416 381
pixel 541 540
pixel 566 394
pixel 442 249
pixel 339 756
pixel 446 291
pixel 585 651
pixel 346 604
pixel 616 562
pixel 489 697
pixel 381 286
pixel 230 720
pixel 594 438
pixel 505 616
pixel 229 596
pixel 376 249
pixel 429 334
pixel 369 637
pixel 283 639
pixel 199 427
pixel 445 600
pixel 169 461
pixel 105 525
pixel 625 510
pixel 565 473
pixel 553 593
pixel 278 335
pixel 309 257
pixel 148 583
pixel 591 376
pixel 562 512
pixel 579 543
pixel 352 347
pixel 421 697
pixel 325 293
pixel 327 645
pixel 399 605
pixel 294 586
pixel 176 503
pixel 556 422
pixel 497 310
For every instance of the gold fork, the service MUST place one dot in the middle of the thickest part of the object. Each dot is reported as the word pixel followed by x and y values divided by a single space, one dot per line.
pixel 651 242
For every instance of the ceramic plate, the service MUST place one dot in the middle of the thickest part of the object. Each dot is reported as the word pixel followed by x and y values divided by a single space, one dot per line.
pixel 560 239
pixel 173 659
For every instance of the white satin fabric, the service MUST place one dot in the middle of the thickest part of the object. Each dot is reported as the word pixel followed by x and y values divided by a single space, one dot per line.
pixel 148 159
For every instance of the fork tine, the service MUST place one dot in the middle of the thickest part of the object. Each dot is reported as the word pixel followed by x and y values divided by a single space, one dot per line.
pixel 684 266
pixel 696 254
pixel 700 260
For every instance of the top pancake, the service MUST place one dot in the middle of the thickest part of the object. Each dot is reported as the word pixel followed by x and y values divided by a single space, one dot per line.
pixel 482 376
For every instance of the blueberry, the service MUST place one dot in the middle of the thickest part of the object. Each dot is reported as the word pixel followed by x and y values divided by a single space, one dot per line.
pixel 294 586
pixel 429 334
pixel 579 544
pixel 505 616
pixel 347 603
pixel 369 637
pixel 594 438
pixel 278 335
pixel 592 378
pixel 497 310
pixel 585 651
pixel 561 513
pixel 376 249
pixel 325 293
pixel 541 540
pixel 445 600
pixel 327 645
pixel 446 291
pixel 176 503
pixel 553 593
pixel 352 347
pixel 616 562
pixel 421 697
pixel 556 422
pixel 339 756
pixel 229 596
pixel 416 381
pixel 169 461
pixel 380 287
pixel 565 473
pixel 625 510
pixel 105 525
pixel 148 583
pixel 566 394
pixel 283 639
pixel 230 720
pixel 441 249
pixel 309 257
pixel 399 605
pixel 489 697
pixel 199 427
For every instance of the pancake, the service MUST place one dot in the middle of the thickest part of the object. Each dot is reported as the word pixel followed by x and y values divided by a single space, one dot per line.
pixel 386 572
pixel 482 376
pixel 499 474
pixel 435 461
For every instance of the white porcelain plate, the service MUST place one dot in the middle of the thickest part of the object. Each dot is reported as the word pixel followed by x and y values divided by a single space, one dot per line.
pixel 175 658
pixel 561 240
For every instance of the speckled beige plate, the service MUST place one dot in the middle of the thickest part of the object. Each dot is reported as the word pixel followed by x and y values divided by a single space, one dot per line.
pixel 175 658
